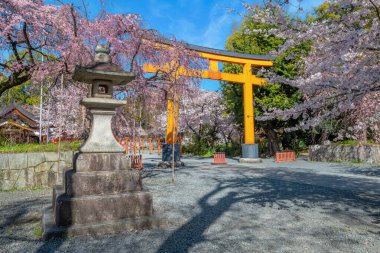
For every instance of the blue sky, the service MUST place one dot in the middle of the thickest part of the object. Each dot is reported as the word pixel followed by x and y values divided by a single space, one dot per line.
pixel 201 22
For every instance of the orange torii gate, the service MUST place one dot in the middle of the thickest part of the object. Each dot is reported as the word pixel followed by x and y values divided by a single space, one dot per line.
pixel 246 78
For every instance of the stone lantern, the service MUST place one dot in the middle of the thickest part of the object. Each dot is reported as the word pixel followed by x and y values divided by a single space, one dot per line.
pixel 101 193
pixel 102 75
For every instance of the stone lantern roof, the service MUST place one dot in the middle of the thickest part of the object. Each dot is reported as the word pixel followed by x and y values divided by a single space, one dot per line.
pixel 102 69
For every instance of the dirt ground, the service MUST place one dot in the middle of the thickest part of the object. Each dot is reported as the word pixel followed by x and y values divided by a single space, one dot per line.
pixel 268 207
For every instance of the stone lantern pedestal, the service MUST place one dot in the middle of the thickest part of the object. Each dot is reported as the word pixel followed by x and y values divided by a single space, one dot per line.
pixel 101 193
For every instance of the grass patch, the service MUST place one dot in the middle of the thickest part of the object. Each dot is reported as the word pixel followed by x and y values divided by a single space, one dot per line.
pixel 37 231
pixel 9 231
pixel 35 147
pixel 34 188
pixel 355 143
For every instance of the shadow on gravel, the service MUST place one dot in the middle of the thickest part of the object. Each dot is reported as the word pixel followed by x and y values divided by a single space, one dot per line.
pixel 51 245
pixel 20 212
pixel 273 191
pixel 371 172
pixel 151 170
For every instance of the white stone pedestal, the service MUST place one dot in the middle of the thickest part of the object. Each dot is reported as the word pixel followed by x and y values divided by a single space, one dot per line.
pixel 101 139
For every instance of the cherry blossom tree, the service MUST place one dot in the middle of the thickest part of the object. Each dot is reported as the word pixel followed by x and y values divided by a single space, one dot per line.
pixel 341 73
pixel 203 115
pixel 67 39
pixel 64 38
pixel 64 117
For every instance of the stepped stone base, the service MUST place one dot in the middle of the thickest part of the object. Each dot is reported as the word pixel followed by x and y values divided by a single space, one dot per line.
pixel 167 152
pixel 50 229
pixel 101 195
pixel 165 165
pixel 250 160
pixel 102 182
pixel 250 151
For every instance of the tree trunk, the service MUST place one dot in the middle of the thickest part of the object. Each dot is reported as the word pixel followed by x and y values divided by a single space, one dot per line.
pixel 274 143
pixel 362 135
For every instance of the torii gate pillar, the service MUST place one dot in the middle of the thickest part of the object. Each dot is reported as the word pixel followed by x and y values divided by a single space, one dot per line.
pixel 250 150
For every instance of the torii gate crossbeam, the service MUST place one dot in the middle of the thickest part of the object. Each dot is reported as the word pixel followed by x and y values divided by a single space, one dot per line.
pixel 247 79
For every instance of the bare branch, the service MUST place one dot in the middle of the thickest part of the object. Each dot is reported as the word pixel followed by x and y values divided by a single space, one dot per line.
pixel 135 54
pixel 14 48
pixel 376 8
pixel 74 20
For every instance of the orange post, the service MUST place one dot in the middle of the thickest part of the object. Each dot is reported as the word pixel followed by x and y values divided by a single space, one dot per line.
pixel 142 144
pixel 180 145
pixel 135 145
pixel 126 145
pixel 158 145
pixel 150 147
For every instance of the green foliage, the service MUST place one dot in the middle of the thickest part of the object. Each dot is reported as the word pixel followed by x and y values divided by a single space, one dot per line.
pixel 287 64
pixel 243 40
pixel 323 14
pixel 231 149
pixel 233 99
pixel 202 149
pixel 35 147
pixel 197 148
pixel 21 94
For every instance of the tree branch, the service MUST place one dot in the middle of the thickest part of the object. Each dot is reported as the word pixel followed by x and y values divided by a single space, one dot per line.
pixel 14 80
pixel 74 20
pixel 28 45
pixel 135 54
pixel 14 48
pixel 376 8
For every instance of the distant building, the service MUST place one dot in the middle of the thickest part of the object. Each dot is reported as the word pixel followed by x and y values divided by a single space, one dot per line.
pixel 18 125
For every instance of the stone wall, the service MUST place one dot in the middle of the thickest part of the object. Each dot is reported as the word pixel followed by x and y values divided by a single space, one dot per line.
pixel 26 170
pixel 345 153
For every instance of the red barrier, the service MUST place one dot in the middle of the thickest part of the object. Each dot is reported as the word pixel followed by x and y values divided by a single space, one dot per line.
pixel 136 162
pixel 64 139
pixel 219 158
pixel 286 156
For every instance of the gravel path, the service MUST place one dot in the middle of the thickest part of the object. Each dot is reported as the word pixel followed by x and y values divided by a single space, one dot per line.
pixel 298 207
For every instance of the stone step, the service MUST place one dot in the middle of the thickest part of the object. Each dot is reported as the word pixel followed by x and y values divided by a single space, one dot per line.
pixel 102 208
pixel 101 162
pixel 102 182
pixel 49 229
